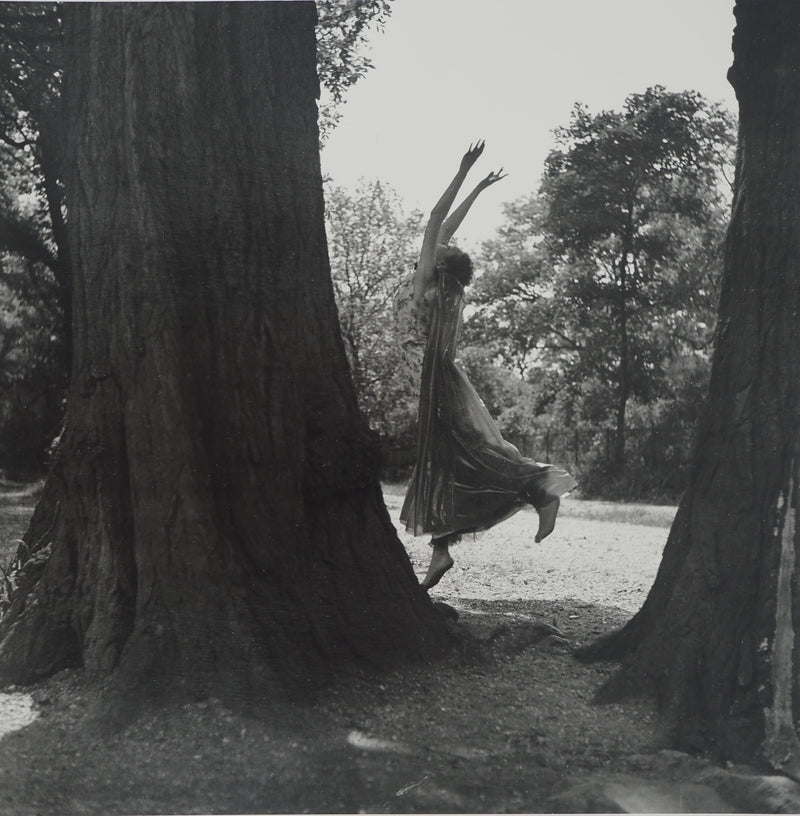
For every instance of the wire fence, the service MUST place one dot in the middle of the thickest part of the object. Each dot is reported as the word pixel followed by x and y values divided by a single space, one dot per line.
pixel 655 464
pixel 577 445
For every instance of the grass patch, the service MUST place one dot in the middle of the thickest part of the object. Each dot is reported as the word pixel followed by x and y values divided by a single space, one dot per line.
pixel 16 508
pixel 651 515
pixel 17 494
pixel 13 523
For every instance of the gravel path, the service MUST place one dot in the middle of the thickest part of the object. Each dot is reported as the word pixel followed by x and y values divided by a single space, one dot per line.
pixel 16 711
pixel 601 562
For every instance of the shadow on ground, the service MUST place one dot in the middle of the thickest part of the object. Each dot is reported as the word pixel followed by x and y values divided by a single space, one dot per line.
pixel 505 725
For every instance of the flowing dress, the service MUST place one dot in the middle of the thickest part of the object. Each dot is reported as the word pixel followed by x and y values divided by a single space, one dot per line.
pixel 414 327
pixel 467 477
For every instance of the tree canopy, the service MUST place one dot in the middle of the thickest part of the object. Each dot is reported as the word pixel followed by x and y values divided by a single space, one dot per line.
pixel 343 29
pixel 608 275
pixel 372 244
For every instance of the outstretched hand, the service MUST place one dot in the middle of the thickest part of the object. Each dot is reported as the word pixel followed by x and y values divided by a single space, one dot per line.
pixel 473 154
pixel 492 178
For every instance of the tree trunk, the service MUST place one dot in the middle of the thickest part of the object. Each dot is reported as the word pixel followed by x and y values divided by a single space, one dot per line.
pixel 50 161
pixel 623 384
pixel 716 634
pixel 215 521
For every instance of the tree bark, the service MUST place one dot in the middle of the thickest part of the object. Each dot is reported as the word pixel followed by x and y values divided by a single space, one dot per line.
pixel 50 161
pixel 215 522
pixel 716 635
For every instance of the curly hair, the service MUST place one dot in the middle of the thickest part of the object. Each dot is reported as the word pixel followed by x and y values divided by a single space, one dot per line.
pixel 457 263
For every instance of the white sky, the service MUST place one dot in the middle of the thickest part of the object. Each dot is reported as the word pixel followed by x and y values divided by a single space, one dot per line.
pixel 451 71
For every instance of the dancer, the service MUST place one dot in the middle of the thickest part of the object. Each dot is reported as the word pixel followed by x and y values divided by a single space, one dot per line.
pixel 467 477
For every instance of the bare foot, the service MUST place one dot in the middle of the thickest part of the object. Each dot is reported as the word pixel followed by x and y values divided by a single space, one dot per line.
pixel 547 518
pixel 440 563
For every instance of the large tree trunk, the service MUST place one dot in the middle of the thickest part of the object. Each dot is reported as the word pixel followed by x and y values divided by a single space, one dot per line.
pixel 717 632
pixel 215 521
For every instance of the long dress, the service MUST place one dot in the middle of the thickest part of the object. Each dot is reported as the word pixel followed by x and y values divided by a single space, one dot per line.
pixel 414 327
pixel 467 477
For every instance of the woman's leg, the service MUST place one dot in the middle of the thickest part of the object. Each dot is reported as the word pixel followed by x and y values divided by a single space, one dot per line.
pixel 547 511
pixel 546 505
pixel 440 560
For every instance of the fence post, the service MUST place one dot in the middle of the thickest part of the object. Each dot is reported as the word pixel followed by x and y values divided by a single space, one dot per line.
pixel 577 456
pixel 547 445
pixel 653 450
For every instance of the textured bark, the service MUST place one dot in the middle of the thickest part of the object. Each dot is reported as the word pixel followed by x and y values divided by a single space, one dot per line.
pixel 215 520
pixel 717 628
pixel 51 159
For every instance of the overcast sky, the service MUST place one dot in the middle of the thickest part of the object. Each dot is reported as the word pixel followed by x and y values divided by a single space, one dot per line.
pixel 509 71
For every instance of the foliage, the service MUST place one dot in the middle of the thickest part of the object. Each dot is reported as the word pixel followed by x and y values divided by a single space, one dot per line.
pixel 371 243
pixel 31 198
pixel 515 403
pixel 659 441
pixel 32 374
pixel 609 275
pixel 33 265
pixel 342 32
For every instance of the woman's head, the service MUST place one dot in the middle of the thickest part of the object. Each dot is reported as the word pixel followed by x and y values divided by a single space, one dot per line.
pixel 457 263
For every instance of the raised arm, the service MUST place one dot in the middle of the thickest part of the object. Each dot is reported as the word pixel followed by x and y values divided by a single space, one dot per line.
pixel 427 256
pixel 453 222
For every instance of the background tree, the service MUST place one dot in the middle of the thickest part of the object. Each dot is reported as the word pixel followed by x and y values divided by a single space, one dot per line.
pixel 34 260
pixel 717 633
pixel 214 523
pixel 342 32
pixel 515 276
pixel 32 224
pixel 372 245
pixel 606 278
pixel 619 189
pixel 31 369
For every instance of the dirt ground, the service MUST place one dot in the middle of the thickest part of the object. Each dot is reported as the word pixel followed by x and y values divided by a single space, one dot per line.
pixel 511 728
